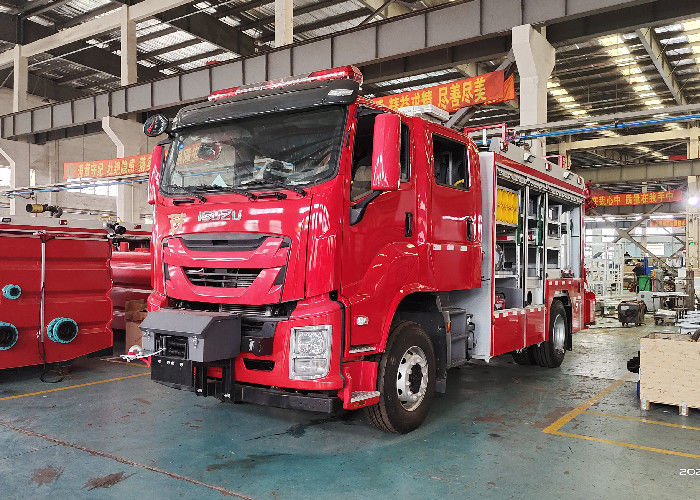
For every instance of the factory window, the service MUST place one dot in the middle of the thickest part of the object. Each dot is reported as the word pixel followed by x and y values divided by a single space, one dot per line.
pixel 5 176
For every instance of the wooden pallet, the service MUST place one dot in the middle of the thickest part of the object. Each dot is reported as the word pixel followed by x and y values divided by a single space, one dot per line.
pixel 683 408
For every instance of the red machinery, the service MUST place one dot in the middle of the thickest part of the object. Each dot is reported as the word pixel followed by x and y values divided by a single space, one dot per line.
pixel 340 254
pixel 55 281
pixel 131 275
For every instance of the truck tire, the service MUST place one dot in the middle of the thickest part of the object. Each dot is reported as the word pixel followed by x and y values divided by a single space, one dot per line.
pixel 524 356
pixel 550 354
pixel 405 381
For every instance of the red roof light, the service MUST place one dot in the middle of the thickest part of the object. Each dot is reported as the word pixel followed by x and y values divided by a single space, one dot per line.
pixel 349 72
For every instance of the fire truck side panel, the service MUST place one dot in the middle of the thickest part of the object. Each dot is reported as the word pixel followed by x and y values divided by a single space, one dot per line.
pixel 77 286
pixel 455 253
pixel 509 331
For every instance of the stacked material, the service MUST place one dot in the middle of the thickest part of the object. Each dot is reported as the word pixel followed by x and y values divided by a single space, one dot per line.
pixel 669 371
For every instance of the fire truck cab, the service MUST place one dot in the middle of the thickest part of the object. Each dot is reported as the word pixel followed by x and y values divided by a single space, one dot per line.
pixel 315 250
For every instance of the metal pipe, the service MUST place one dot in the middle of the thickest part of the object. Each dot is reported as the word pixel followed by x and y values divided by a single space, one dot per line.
pixel 611 126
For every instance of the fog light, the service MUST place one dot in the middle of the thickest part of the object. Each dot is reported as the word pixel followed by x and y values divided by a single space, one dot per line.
pixel 310 352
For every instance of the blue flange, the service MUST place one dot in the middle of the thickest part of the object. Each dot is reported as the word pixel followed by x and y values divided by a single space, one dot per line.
pixel 62 330
pixel 8 335
pixel 11 292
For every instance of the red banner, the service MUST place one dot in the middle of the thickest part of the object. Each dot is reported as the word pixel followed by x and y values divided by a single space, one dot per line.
pixel 140 164
pixel 619 200
pixel 483 89
pixel 667 223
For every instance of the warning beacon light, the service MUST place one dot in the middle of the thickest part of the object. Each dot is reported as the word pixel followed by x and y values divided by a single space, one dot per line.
pixel 349 72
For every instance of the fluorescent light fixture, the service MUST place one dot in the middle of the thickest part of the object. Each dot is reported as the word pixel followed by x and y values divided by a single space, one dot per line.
pixel 579 112
pixel 652 102
pixel 557 92
pixel 565 99
pixel 642 88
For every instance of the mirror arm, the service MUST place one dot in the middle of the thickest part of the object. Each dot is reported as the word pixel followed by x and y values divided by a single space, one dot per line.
pixel 357 211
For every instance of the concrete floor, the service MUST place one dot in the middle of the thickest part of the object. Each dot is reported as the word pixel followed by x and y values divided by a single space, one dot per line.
pixel 501 431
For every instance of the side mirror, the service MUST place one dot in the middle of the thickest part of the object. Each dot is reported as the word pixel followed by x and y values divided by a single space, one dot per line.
pixel 386 154
pixel 155 125
pixel 154 174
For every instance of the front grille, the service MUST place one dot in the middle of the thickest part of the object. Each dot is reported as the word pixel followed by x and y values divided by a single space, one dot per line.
pixel 221 278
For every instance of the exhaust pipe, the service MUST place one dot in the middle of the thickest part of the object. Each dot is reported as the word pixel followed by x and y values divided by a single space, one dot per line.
pixel 8 335
pixel 62 330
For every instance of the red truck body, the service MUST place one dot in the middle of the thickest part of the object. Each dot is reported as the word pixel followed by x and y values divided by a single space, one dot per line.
pixel 356 267
pixel 77 284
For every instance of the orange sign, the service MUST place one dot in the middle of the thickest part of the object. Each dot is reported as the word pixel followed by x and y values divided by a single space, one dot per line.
pixel 667 223
pixel 618 200
pixel 140 164
pixel 483 89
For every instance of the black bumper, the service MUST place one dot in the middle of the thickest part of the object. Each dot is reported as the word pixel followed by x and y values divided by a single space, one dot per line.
pixel 192 376
pixel 288 400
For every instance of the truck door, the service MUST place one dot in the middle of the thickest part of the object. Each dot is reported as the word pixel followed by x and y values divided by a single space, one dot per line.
pixel 378 251
pixel 454 223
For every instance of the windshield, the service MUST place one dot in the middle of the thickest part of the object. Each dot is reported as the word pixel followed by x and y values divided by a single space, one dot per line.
pixel 273 150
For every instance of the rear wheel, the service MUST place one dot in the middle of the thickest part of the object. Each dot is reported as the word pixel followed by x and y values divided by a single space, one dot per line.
pixel 550 353
pixel 406 380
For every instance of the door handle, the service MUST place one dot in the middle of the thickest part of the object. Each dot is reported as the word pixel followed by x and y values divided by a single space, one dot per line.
pixel 470 229
pixel 408 225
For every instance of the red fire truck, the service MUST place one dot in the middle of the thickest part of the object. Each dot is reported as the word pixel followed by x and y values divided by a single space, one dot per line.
pixel 315 250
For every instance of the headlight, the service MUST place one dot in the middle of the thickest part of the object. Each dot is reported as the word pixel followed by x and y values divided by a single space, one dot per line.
pixel 310 352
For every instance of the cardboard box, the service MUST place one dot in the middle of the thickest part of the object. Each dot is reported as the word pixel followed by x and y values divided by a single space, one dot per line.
pixel 134 315
pixel 669 371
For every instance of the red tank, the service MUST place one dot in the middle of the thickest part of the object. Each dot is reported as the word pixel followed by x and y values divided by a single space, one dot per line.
pixel 67 317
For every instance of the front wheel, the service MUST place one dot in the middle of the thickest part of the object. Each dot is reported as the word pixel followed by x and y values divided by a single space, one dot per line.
pixel 406 380
pixel 550 353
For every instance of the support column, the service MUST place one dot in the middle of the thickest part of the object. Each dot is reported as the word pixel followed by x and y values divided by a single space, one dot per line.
pixel 692 229
pixel 17 155
pixel 128 137
pixel 534 56
pixel 284 22
pixel 128 48
pixel 20 80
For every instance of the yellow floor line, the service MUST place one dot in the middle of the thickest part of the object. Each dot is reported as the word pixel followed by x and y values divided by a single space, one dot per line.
pixel 74 386
pixel 628 445
pixel 120 362
pixel 645 420
pixel 562 421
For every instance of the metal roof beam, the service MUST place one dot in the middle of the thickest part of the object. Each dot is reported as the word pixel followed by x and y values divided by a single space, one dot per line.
pixel 43 87
pixel 662 170
pixel 138 12
pixel 658 57
pixel 322 23
pixel 208 28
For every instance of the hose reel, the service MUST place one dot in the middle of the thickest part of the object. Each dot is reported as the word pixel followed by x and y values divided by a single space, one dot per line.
pixel 62 330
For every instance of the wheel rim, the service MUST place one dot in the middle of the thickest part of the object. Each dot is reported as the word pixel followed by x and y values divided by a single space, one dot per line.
pixel 412 378
pixel 559 334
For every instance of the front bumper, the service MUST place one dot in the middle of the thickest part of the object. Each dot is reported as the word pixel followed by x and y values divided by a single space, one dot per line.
pixel 252 365
pixel 213 379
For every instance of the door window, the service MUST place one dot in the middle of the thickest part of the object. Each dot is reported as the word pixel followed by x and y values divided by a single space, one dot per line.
pixel 451 163
pixel 361 184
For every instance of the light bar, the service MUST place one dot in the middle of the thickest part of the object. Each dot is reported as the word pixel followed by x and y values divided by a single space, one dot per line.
pixel 349 72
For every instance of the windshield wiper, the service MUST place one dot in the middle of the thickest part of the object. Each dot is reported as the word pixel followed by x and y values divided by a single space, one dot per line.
pixel 278 185
pixel 179 190
pixel 227 189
